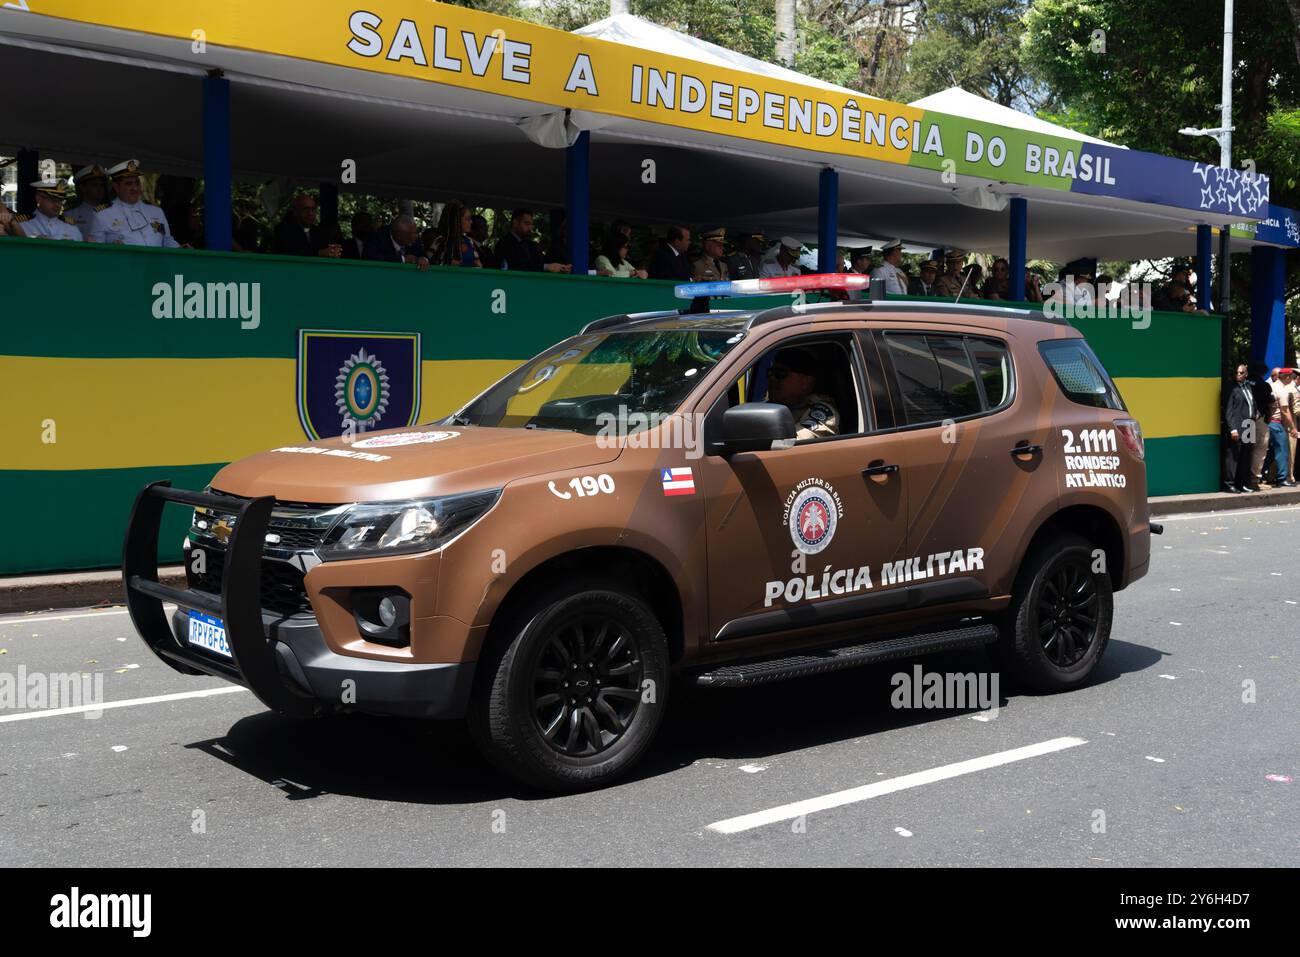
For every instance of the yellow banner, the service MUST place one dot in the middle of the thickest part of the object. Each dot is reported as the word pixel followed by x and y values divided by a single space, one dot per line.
pixel 84 419
pixel 494 54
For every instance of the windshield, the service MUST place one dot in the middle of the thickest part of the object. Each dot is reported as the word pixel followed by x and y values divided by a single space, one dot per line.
pixel 590 382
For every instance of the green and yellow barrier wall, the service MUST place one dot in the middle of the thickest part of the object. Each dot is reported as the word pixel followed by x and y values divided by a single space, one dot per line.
pixel 101 397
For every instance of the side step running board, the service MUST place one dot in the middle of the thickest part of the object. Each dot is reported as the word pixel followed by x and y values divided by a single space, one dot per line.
pixel 849 656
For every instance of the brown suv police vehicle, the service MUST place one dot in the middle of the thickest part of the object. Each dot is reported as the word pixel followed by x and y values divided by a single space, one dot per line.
pixel 627 511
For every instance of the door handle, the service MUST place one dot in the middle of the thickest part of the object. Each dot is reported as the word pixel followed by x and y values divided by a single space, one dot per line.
pixel 1026 449
pixel 880 470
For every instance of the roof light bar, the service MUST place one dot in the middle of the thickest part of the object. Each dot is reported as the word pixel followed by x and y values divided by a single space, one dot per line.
pixel 817 282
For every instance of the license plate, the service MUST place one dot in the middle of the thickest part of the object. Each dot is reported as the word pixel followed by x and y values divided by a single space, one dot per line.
pixel 209 633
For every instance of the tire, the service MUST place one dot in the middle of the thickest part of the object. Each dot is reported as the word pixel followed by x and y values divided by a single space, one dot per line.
pixel 519 716
pixel 1060 652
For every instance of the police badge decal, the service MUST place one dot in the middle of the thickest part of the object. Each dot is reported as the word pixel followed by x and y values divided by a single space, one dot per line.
pixel 812 511
pixel 356 382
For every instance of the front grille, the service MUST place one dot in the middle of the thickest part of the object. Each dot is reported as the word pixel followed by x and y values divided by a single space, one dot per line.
pixel 294 533
pixel 283 591
pixel 293 538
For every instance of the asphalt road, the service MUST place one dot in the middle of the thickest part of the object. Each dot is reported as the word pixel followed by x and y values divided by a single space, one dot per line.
pixel 1161 749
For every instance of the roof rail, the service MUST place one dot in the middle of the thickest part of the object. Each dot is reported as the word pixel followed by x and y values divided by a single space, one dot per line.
pixel 906 306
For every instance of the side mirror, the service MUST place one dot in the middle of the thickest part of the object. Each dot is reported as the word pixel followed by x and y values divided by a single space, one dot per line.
pixel 757 427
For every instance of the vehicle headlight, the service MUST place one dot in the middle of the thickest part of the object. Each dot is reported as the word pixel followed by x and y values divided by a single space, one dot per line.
pixel 398 528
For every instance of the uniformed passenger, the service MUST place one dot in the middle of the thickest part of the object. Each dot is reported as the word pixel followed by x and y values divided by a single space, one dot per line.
pixel 92 190
pixel 708 266
pixel 48 221
pixel 792 382
pixel 127 220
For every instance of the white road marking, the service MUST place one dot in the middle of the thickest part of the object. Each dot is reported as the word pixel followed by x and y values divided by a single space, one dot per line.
pixel 1229 513
pixel 1156 760
pixel 128 703
pixel 902 832
pixel 89 614
pixel 787 812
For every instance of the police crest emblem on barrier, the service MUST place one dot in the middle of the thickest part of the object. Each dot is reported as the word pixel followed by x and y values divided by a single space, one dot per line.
pixel 357 381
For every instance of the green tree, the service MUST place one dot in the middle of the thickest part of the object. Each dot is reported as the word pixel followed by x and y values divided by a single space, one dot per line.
pixel 973 44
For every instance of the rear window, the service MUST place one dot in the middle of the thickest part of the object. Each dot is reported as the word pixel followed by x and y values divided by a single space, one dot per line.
pixel 1080 374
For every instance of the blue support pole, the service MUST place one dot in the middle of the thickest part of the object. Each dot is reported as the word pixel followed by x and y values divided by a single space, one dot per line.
pixel 217 204
pixel 1204 273
pixel 828 221
pixel 29 171
pixel 578 201
pixel 1019 243
pixel 1268 306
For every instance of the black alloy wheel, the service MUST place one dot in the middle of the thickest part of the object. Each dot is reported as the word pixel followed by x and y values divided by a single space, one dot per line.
pixel 1067 613
pixel 586 685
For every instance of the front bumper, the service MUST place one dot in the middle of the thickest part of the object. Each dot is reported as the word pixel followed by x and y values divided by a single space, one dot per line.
pixel 334 680
pixel 284 661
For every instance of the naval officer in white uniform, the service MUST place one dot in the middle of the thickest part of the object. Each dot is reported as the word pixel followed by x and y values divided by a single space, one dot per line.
pixel 92 190
pixel 48 221
pixel 895 279
pixel 127 220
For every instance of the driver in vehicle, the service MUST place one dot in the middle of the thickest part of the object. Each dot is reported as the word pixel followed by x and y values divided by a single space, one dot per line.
pixel 791 382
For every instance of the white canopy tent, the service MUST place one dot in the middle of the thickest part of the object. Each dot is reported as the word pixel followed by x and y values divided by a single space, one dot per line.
pixel 633 31
pixel 959 102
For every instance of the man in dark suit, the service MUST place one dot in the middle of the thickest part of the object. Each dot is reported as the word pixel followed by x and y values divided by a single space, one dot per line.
pixel 669 260
pixel 299 234
pixel 362 226
pixel 397 242
pixel 1239 419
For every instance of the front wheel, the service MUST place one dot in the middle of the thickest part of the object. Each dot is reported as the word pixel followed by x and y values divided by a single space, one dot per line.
pixel 572 690
pixel 1058 624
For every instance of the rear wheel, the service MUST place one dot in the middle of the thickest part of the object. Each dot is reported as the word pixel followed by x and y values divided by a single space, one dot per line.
pixel 1058 624
pixel 572 689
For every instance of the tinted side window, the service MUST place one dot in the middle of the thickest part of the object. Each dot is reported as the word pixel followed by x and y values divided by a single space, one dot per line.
pixel 934 375
pixel 993 363
pixel 1080 374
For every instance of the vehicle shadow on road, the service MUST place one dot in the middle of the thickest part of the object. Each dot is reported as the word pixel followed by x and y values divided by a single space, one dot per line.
pixel 393 759
pixel 383 759
pixel 757 723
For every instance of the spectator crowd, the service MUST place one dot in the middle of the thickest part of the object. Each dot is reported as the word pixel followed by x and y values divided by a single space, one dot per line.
pixel 109 208
pixel 1260 421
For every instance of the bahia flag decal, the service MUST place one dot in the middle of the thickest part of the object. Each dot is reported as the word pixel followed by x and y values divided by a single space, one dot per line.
pixel 678 481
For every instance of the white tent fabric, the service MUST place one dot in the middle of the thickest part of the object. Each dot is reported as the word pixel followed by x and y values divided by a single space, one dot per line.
pixel 957 102
pixel 633 31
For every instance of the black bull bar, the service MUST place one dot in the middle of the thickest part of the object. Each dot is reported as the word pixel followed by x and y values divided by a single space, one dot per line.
pixel 254 663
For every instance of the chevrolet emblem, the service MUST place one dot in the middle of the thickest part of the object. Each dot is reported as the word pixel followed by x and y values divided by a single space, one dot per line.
pixel 222 529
